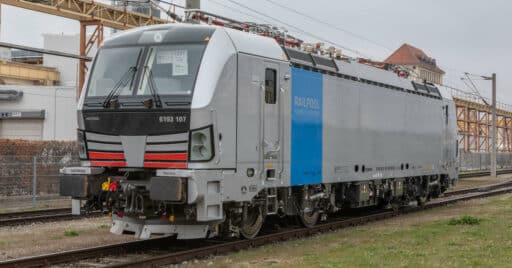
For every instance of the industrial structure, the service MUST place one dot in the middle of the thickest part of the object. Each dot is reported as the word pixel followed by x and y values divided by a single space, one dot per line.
pixel 474 123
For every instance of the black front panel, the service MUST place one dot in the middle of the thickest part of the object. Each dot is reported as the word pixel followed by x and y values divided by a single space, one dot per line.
pixel 73 185
pixel 166 188
pixel 135 123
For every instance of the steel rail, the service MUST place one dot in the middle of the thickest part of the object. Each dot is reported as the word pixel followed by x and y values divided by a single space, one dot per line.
pixel 201 251
pixel 79 254
pixel 482 188
pixel 18 214
pixel 25 217
pixel 483 173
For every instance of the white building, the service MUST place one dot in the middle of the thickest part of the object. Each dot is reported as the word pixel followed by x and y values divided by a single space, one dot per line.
pixel 38 112
pixel 68 67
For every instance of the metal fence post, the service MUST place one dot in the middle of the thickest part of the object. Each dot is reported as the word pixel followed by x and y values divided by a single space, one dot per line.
pixel 34 181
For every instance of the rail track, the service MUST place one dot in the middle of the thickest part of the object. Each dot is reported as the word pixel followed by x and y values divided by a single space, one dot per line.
pixel 166 250
pixel 26 217
pixel 483 173
pixel 60 214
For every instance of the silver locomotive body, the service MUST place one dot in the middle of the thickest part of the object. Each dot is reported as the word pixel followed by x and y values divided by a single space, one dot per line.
pixel 205 131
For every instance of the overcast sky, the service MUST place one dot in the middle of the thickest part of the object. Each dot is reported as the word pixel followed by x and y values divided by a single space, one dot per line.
pixel 462 35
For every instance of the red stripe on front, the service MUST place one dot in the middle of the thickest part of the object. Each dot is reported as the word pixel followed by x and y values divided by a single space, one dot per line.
pixel 165 165
pixel 166 156
pixel 103 155
pixel 108 164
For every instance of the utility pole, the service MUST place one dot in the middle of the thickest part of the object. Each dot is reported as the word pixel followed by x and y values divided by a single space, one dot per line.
pixel 493 132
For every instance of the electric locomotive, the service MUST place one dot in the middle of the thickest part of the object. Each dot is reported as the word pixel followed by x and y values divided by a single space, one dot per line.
pixel 203 131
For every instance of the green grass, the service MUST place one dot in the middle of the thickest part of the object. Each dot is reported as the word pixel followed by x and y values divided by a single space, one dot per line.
pixel 71 233
pixel 445 237
pixel 465 220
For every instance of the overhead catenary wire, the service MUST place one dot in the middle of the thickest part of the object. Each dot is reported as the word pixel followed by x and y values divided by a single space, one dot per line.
pixel 239 11
pixel 297 29
pixel 172 4
pixel 328 24
pixel 474 87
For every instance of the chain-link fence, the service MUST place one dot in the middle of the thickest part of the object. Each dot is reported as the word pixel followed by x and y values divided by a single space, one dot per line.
pixel 472 161
pixel 31 177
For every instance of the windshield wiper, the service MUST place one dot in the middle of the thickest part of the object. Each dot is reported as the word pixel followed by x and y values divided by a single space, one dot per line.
pixel 114 92
pixel 154 93
pixel 153 89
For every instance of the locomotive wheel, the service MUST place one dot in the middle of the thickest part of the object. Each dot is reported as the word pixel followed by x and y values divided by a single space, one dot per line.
pixel 424 196
pixel 251 226
pixel 309 219
pixel 422 200
pixel 308 212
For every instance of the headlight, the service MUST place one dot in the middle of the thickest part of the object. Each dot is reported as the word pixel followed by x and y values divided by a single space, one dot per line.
pixel 82 150
pixel 201 144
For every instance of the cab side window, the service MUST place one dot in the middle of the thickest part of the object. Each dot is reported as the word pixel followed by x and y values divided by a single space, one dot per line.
pixel 270 86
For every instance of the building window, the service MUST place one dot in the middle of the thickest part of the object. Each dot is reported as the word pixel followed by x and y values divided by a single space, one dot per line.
pixel 270 86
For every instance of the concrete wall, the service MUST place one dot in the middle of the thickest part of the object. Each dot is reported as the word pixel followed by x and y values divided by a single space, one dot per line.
pixel 59 105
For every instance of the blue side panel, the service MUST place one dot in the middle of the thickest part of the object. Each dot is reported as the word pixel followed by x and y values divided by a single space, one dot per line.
pixel 306 148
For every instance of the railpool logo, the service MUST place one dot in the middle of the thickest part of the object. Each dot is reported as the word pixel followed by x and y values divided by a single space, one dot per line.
pixel 307 103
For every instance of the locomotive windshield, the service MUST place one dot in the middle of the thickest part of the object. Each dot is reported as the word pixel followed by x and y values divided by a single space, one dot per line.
pixel 169 69
pixel 111 66
pixel 173 69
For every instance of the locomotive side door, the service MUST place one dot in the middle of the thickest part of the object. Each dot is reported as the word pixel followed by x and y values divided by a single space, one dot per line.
pixel 260 116
pixel 271 121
